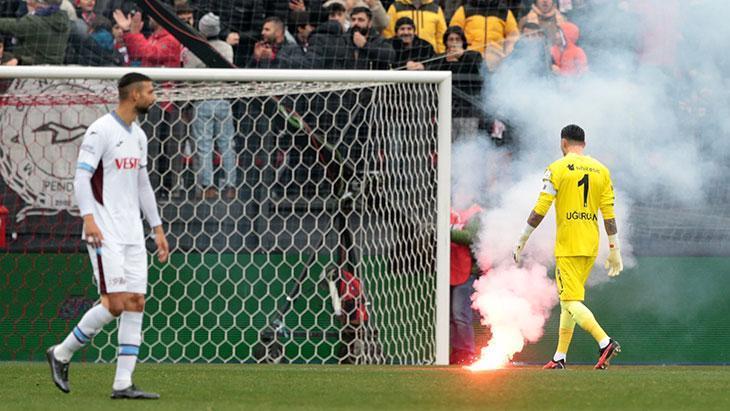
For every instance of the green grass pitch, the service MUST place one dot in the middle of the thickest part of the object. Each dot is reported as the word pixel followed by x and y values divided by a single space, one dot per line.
pixel 314 387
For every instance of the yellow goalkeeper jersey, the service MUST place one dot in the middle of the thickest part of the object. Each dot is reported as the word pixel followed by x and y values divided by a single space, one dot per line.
pixel 580 186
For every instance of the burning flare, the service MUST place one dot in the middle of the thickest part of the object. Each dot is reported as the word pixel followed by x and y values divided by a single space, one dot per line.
pixel 515 303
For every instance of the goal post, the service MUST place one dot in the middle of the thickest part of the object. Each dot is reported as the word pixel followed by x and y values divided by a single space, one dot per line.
pixel 330 243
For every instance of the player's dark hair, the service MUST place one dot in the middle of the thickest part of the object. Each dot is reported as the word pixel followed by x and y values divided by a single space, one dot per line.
pixel 571 132
pixel 127 81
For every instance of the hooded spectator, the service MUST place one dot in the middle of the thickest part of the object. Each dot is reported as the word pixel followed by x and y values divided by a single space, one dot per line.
pixel 568 58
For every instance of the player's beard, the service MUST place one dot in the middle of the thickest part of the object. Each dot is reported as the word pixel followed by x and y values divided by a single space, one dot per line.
pixel 142 109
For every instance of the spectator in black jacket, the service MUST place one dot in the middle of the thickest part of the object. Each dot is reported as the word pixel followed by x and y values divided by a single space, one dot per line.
pixel 266 51
pixel 366 49
pixel 298 55
pixel 410 50
pixel 327 42
pixel 466 66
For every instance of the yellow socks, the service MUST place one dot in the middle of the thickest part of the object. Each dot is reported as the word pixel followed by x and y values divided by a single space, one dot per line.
pixel 567 324
pixel 585 319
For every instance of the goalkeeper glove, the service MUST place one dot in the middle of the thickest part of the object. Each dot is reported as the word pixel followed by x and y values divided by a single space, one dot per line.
pixel 614 264
pixel 517 253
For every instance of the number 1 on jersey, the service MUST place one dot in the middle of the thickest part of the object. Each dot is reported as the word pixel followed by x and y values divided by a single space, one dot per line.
pixel 584 182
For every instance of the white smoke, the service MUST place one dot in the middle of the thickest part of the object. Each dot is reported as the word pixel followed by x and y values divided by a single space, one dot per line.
pixel 515 313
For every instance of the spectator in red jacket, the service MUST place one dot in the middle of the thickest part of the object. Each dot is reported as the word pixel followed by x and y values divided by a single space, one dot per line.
pixel 568 58
pixel 160 49
pixel 464 270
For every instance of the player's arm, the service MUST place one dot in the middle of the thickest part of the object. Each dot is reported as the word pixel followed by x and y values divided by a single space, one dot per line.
pixel 90 154
pixel 610 226
pixel 148 204
pixel 544 201
pixel 85 199
pixel 614 263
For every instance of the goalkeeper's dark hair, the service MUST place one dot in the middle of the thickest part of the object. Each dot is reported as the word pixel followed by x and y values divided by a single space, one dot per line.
pixel 127 81
pixel 571 132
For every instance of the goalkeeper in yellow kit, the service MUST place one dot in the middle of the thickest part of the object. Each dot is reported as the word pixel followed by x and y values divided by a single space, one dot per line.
pixel 580 186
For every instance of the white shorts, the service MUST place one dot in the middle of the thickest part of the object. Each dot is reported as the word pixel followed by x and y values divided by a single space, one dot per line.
pixel 119 267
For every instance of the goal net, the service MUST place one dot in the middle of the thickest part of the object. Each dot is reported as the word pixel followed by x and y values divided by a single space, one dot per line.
pixel 319 234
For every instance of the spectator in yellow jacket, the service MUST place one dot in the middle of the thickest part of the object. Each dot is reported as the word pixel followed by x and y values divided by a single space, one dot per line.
pixel 428 16
pixel 490 29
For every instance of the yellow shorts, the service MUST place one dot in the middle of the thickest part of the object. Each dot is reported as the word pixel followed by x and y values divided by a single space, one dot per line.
pixel 571 274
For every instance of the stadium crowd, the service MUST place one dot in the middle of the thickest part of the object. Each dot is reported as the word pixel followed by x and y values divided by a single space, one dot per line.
pixel 471 38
